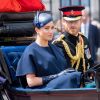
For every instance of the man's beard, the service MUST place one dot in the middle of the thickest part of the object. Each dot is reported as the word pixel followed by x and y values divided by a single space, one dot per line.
pixel 73 32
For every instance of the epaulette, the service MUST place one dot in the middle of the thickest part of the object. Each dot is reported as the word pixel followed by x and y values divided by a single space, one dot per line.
pixel 81 33
pixel 58 39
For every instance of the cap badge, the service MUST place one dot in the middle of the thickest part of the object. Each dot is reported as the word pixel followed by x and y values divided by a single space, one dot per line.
pixel 72 12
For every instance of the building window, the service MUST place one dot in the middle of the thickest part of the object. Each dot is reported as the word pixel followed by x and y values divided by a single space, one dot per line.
pixel 65 3
pixel 85 2
pixel 75 2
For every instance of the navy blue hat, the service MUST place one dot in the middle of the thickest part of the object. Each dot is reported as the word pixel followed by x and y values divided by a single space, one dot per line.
pixel 72 13
pixel 42 18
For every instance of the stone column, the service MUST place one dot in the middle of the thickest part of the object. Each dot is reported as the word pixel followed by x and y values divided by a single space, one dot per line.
pixel 95 9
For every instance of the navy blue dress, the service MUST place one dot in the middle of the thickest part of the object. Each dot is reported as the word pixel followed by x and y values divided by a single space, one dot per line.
pixel 44 61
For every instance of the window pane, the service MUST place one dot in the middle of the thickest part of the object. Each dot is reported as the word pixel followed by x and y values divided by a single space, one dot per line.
pixel 75 2
pixel 85 2
pixel 65 3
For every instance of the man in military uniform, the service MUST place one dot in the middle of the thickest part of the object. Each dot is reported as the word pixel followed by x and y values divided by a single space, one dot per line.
pixel 73 43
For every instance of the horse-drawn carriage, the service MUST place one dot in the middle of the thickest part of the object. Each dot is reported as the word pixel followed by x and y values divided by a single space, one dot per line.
pixel 13 88
pixel 16 32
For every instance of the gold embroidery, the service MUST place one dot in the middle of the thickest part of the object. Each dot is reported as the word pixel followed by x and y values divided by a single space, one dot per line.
pixel 79 52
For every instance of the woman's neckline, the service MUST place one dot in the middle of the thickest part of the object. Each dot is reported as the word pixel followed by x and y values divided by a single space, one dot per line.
pixel 41 45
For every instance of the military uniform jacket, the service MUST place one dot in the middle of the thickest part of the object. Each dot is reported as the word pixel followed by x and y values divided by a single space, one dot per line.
pixel 72 42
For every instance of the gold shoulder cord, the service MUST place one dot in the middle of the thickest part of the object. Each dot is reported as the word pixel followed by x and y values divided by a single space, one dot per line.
pixel 79 51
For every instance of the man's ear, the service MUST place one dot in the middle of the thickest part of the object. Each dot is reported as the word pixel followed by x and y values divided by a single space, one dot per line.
pixel 81 20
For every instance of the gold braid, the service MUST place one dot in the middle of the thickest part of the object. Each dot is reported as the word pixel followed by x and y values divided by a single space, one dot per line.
pixel 79 51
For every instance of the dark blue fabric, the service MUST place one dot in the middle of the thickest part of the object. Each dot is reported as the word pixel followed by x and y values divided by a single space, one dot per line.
pixel 41 61
pixel 93 37
pixel 12 55
pixel 44 61
pixel 2 80
pixel 67 80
